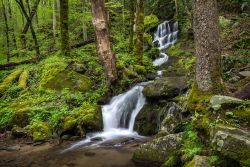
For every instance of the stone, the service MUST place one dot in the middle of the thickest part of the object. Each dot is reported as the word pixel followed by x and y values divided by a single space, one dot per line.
pixel 199 161
pixel 79 68
pixel 166 87
pixel 245 73
pixel 218 101
pixel 18 132
pixel 69 79
pixel 232 143
pixel 158 150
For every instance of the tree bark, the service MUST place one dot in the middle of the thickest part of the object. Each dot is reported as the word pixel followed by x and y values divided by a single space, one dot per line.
pixel 207 46
pixel 139 29
pixel 64 17
pixel 20 2
pixel 12 29
pixel 132 22
pixel 28 23
pixel 6 31
pixel 103 43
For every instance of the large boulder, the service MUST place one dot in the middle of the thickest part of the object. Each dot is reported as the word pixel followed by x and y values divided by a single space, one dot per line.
pixel 158 150
pixel 69 79
pixel 219 101
pixel 150 117
pixel 166 87
pixel 232 143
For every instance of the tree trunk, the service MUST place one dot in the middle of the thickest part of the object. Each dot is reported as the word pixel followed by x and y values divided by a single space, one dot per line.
pixel 84 26
pixel 207 45
pixel 20 2
pixel 139 29
pixel 28 23
pixel 6 31
pixel 12 29
pixel 54 4
pixel 64 17
pixel 132 22
pixel 104 50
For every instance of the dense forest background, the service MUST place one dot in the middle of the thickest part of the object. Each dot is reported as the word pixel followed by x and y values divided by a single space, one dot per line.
pixel 61 60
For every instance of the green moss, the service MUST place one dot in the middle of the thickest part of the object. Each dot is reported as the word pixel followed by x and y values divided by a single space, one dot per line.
pixel 243 115
pixel 69 123
pixel 9 80
pixel 140 69
pixel 170 162
pixel 198 100
pixel 190 164
pixel 150 22
pixel 20 118
pixel 22 83
pixel 176 50
pixel 244 155
pixel 69 79
pixel 89 117
pixel 39 131
pixel 201 124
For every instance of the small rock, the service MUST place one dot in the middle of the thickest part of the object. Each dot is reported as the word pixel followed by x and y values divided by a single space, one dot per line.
pixel 65 137
pixel 13 148
pixel 96 139
pixel 74 138
pixel 18 132
pixel 199 161
pixel 245 73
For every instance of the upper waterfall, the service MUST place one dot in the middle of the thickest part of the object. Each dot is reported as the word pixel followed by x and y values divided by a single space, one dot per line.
pixel 165 36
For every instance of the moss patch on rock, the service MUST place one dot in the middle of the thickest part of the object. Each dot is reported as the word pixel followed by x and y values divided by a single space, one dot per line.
pixel 39 131
pixel 22 83
pixel 9 80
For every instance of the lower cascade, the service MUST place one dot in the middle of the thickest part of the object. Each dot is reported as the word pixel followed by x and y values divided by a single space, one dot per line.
pixel 120 114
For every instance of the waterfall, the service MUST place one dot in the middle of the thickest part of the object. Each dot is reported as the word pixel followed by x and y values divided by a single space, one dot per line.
pixel 165 36
pixel 119 115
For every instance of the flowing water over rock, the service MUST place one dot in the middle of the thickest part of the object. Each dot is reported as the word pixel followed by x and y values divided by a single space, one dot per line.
pixel 119 116
pixel 165 36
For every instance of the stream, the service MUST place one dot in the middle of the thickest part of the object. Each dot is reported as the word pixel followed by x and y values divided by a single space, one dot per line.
pixel 114 146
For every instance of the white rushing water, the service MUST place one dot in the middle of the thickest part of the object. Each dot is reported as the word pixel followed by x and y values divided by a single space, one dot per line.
pixel 120 114
pixel 165 36
pixel 118 118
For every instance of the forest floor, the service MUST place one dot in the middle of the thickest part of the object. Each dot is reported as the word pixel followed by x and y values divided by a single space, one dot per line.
pixel 16 153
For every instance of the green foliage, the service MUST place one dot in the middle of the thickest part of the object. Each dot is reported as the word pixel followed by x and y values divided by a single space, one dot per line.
pixel 150 21
pixel 191 144
pixel 39 131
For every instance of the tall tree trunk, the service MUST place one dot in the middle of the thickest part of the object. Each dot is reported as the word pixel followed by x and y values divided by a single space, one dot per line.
pixel 104 49
pixel 132 22
pixel 207 45
pixel 6 31
pixel 64 17
pixel 20 2
pixel 28 23
pixel 54 3
pixel 12 29
pixel 139 29
pixel 84 26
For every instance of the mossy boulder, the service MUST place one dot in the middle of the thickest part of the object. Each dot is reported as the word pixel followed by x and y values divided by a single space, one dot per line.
pixel 8 81
pixel 89 117
pixel 69 79
pixel 166 87
pixel 20 118
pixel 68 123
pixel 39 131
pixel 243 115
pixel 218 101
pixel 149 118
pixel 157 151
pixel 150 22
pixel 232 143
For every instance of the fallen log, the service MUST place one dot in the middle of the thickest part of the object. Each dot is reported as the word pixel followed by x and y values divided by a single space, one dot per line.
pixel 4 66
pixel 78 45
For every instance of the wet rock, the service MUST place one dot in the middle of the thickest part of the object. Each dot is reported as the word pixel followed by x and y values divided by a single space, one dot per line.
pixel 158 150
pixel 150 117
pixel 151 76
pixel 199 161
pixel 74 138
pixel 18 132
pixel 96 139
pixel 232 143
pixel 117 141
pixel 65 137
pixel 166 87
pixel 218 101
